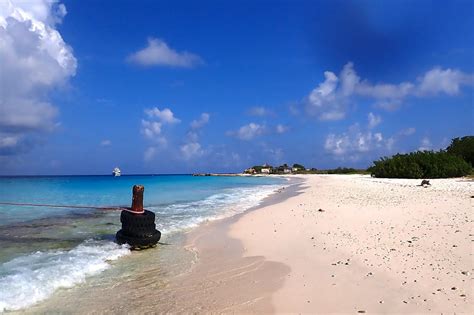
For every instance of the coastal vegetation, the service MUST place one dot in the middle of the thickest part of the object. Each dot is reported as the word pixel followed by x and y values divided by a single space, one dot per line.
pixel 463 147
pixel 455 161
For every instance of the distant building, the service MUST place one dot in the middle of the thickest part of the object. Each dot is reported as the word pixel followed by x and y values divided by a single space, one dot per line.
pixel 287 170
pixel 250 171
pixel 266 170
pixel 295 169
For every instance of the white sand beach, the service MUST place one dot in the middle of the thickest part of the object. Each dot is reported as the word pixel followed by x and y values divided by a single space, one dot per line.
pixel 328 244
pixel 343 244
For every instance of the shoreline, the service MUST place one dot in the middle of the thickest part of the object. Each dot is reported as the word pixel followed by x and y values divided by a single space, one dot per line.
pixel 323 244
pixel 377 245
pixel 214 283
pixel 156 268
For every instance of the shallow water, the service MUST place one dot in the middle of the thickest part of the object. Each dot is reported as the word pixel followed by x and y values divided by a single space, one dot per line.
pixel 49 249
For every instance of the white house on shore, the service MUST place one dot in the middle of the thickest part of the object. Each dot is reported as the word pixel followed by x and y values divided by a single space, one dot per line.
pixel 266 170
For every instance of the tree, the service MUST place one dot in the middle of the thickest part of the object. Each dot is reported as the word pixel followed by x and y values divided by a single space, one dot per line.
pixel 463 147
pixel 299 166
pixel 421 164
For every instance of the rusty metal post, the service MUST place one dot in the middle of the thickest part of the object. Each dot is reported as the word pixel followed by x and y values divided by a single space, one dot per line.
pixel 137 199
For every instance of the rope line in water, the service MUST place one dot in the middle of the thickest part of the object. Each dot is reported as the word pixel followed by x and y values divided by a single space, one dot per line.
pixel 57 206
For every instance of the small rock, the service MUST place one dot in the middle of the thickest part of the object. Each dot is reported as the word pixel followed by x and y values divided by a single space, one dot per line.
pixel 453 288
pixel 466 273
pixel 463 295
pixel 361 312
pixel 320 210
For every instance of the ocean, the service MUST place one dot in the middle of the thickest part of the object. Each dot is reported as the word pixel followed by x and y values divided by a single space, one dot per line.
pixel 45 250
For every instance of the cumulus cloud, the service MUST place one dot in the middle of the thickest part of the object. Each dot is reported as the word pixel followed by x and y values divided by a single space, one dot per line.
pixel 165 116
pixel 199 123
pixel 374 120
pixel 332 98
pixel 158 53
pixel 34 61
pixel 325 101
pixel 351 144
pixel 248 132
pixel 152 129
pixel 192 148
pixel 446 81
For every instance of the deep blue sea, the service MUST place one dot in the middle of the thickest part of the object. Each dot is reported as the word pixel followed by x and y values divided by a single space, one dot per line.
pixel 44 249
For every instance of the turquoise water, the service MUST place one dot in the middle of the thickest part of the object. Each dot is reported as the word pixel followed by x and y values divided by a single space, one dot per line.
pixel 45 249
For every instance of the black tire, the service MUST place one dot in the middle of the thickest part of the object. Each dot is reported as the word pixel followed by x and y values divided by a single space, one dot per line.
pixel 139 231
pixel 138 225
pixel 133 218
pixel 138 242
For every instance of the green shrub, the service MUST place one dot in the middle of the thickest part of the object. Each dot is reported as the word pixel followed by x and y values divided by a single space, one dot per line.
pixel 463 147
pixel 421 164
pixel 299 166
pixel 342 170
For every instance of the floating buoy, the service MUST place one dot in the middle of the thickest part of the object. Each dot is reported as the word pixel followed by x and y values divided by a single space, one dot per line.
pixel 138 225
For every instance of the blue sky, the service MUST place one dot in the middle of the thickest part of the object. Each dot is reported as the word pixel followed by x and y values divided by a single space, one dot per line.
pixel 179 87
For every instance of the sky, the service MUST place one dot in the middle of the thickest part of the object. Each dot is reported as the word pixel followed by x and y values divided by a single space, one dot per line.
pixel 218 86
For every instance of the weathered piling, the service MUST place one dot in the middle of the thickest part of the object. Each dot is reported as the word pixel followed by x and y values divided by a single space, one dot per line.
pixel 137 198
pixel 138 225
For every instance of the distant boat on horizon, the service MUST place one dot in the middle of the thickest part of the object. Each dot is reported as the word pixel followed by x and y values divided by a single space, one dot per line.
pixel 116 172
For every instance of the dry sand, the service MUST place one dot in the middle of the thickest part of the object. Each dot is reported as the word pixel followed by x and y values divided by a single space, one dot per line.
pixel 342 244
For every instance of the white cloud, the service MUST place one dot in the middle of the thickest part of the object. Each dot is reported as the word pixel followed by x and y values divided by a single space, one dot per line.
pixel 281 128
pixel 425 144
pixel 332 98
pixel 259 111
pixel 8 141
pixel 201 122
pixel 34 60
pixel 191 150
pixel 248 132
pixel 158 53
pixel 446 81
pixel 151 129
pixel 374 120
pixel 165 116
pixel 326 101
pixel 106 143
pixel 351 144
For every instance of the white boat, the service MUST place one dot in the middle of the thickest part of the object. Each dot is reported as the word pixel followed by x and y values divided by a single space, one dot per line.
pixel 116 172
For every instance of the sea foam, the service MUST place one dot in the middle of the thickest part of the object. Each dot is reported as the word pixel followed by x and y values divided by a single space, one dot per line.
pixel 29 279
pixel 229 202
